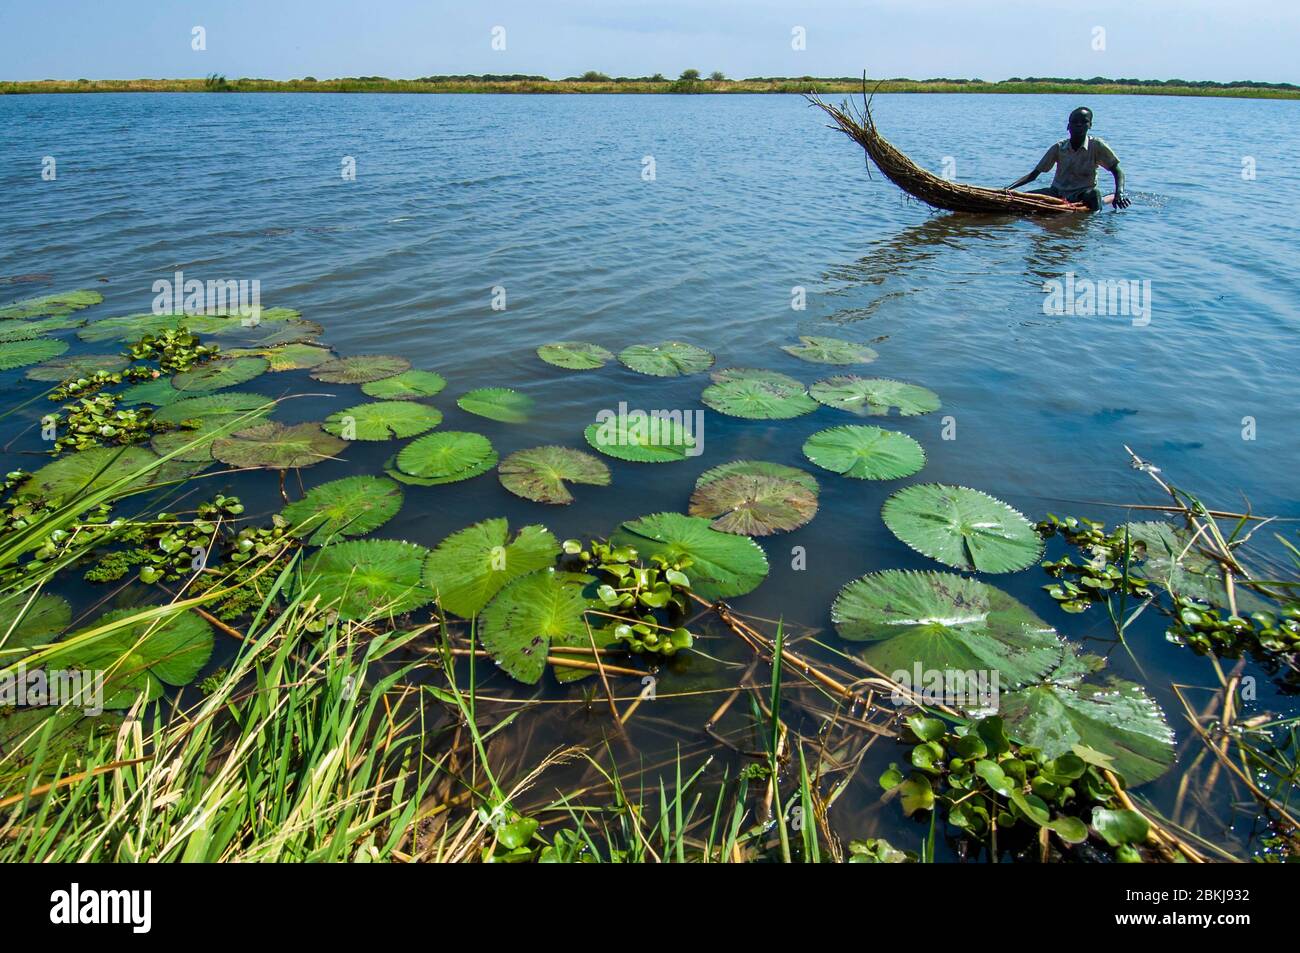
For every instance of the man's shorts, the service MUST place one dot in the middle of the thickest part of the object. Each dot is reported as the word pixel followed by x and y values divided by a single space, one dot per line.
pixel 1089 197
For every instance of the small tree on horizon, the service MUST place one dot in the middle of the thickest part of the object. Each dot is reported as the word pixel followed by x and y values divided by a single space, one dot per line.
pixel 717 76
pixel 690 75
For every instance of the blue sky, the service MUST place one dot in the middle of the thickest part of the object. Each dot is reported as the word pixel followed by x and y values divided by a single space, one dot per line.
pixel 283 39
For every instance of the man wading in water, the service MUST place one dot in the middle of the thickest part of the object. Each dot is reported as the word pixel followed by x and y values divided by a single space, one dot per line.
pixel 1076 160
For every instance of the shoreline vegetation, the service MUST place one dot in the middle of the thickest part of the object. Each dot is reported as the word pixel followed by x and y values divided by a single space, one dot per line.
pixel 690 82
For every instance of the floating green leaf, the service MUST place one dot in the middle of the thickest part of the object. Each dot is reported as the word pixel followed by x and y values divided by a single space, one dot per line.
pixel 266 335
pixel 723 564
pixel 517 626
pixel 287 357
pixel 754 505
pixel 190 445
pixel 944 623
pixel 94 469
pixel 219 374
pixel 139 658
pixel 64 302
pixel 962 528
pixel 22 353
pixel 470 566
pixel 383 420
pixel 27 621
pixel 368 577
pixel 865 453
pixel 497 403
pixel 874 396
pixel 409 385
pixel 360 369
pixel 758 468
pixel 540 474
pixel 1169 560
pixel 75 366
pixel 158 392
pixel 26 330
pixel 667 359
pixel 641 438
pixel 1117 718
pixel 446 457
pixel 352 506
pixel 574 355
pixel 757 395
pixel 230 404
pixel 819 350
pixel 277 446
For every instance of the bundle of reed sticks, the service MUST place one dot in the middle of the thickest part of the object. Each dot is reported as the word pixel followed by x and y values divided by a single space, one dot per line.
pixel 926 186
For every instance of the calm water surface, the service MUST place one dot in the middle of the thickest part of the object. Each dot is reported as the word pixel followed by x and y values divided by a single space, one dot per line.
pixel 752 196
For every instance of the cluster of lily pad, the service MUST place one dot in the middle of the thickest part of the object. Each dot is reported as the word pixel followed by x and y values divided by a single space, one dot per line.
pixel 529 592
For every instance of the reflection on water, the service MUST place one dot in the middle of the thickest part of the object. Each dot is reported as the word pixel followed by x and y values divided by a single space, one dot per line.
pixel 544 197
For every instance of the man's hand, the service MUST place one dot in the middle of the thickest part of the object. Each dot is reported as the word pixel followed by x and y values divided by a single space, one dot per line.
pixel 1122 200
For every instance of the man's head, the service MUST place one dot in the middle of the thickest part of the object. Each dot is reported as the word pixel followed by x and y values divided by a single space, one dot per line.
pixel 1079 123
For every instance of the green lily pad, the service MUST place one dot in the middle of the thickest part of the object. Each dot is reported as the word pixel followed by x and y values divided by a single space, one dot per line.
pixel 1168 561
pixel 133 326
pixel 26 330
pixel 944 622
pixel 472 565
pixel 540 474
pixel 574 355
pixel 368 577
pixel 23 353
pixel 724 565
pixel 360 369
pixel 758 468
pixel 352 506
pixel 286 357
pixel 667 359
pixel 194 444
pixel 141 657
pixel 757 395
pixel 447 457
pixel 383 420
pixel 865 453
pixel 26 622
pixel 267 335
pixel 78 365
pixel 276 446
pixel 640 438
pixel 754 505
pixel 1117 718
pixel 874 396
pixel 93 469
pixel 159 392
pixel 409 385
pixel 64 302
pixel 221 373
pixel 820 350
pixel 497 403
pixel 962 528
pixel 214 415
pixel 229 404
pixel 518 625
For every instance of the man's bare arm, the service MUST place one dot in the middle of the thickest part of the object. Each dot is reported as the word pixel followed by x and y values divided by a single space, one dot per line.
pixel 1023 180
pixel 1121 200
